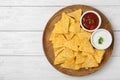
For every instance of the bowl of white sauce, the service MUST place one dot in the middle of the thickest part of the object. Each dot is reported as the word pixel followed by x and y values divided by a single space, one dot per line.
pixel 101 39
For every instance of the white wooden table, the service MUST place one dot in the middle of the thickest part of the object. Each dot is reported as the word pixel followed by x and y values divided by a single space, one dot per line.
pixel 21 27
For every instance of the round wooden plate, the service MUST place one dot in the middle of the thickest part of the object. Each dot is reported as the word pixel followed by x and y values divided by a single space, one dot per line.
pixel 47 45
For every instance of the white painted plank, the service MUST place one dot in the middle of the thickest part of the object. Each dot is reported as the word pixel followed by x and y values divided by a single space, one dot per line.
pixel 35 18
pixel 38 68
pixel 24 18
pixel 56 2
pixel 30 43
pixel 21 43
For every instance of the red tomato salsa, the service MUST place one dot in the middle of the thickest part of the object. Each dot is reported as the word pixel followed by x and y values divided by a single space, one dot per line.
pixel 90 21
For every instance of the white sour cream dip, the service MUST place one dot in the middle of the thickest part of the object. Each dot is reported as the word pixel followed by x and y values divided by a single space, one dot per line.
pixel 101 39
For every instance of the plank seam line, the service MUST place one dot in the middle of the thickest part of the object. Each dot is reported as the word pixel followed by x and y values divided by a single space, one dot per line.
pixel 31 56
pixel 49 5
pixel 34 30
pixel 21 30
pixel 22 55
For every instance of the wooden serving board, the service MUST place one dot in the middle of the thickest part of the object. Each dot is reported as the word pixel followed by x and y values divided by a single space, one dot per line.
pixel 47 45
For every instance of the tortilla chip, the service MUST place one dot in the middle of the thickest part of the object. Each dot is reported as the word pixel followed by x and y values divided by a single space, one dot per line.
pixel 69 36
pixel 99 55
pixel 58 28
pixel 75 27
pixel 89 62
pixel 62 25
pixel 67 53
pixel 59 41
pixel 53 36
pixel 72 44
pixel 85 54
pixel 84 35
pixel 79 58
pixel 86 46
pixel 72 20
pixel 68 63
pixel 77 66
pixel 59 59
pixel 76 14
pixel 58 51
pixel 82 30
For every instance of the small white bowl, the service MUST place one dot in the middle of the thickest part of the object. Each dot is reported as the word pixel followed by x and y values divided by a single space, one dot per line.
pixel 106 39
pixel 90 11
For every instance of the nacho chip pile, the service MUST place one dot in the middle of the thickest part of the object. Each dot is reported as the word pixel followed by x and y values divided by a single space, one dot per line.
pixel 71 44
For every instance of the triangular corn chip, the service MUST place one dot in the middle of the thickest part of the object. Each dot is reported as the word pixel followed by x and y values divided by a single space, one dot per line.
pixel 76 14
pixel 68 53
pixel 62 25
pixel 72 44
pixel 80 58
pixel 69 36
pixel 75 27
pixel 59 41
pixel 86 46
pixel 58 50
pixel 99 55
pixel 89 62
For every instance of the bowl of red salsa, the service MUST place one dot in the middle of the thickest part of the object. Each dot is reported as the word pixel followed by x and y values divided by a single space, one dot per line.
pixel 90 21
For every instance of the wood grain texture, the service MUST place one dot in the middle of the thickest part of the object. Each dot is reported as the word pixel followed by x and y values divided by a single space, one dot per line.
pixel 56 2
pixel 35 18
pixel 38 68
pixel 21 43
pixel 47 45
